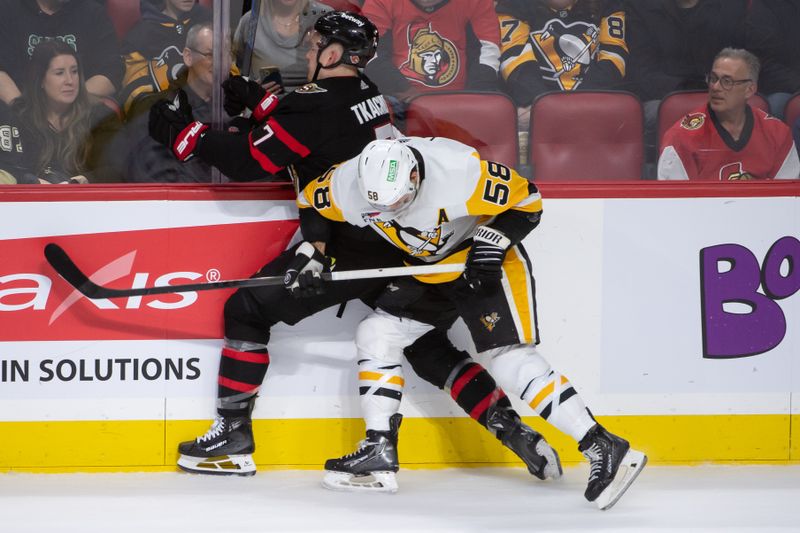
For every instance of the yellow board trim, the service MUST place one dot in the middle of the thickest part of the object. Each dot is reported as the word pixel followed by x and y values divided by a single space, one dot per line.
pixel 125 446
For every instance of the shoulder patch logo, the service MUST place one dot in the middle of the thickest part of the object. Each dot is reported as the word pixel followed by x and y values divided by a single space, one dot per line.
pixel 310 88
pixel 693 121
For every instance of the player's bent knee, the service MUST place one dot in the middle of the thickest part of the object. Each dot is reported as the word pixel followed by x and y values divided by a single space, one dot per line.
pixel 433 357
pixel 383 336
pixel 516 366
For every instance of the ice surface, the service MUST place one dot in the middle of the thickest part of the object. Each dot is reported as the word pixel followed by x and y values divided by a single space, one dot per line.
pixel 685 499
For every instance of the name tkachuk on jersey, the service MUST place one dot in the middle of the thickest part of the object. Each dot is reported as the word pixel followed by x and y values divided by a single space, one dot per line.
pixel 458 192
pixel 562 43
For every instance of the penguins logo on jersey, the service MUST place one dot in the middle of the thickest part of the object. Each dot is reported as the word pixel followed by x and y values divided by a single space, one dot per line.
pixel 414 242
pixel 693 121
pixel 568 49
pixel 490 320
pixel 432 59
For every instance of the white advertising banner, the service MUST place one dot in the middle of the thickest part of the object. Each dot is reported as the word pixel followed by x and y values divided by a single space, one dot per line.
pixel 650 306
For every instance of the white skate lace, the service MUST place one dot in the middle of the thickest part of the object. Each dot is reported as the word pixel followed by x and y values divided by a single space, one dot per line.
pixel 359 447
pixel 594 454
pixel 214 431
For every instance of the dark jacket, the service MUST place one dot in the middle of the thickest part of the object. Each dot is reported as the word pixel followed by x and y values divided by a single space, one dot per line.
pixel 672 49
pixel 153 50
pixel 773 34
pixel 149 161
pixel 101 165
pixel 82 24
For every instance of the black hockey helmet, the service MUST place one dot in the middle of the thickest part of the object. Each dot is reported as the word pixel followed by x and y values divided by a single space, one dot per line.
pixel 355 32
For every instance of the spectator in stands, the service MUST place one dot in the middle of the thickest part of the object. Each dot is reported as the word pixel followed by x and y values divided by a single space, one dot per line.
pixel 151 161
pixel 560 45
pixel 276 40
pixel 728 139
pixel 773 34
pixel 671 43
pixel 433 45
pixel 85 26
pixel 62 136
pixel 153 48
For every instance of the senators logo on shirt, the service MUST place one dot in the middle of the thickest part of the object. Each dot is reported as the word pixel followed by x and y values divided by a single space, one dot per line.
pixel 734 172
pixel 432 59
pixel 693 121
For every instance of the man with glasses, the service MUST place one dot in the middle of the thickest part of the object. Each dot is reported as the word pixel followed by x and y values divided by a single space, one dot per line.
pixel 728 140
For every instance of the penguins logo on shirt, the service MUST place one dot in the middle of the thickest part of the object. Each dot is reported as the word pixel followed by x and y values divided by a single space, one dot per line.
pixel 414 242
pixel 568 49
pixel 432 59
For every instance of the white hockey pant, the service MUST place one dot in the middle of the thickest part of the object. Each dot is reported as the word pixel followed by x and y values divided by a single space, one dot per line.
pixel 380 340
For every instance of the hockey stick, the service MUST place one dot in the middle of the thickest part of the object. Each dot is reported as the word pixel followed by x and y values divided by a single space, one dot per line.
pixel 67 269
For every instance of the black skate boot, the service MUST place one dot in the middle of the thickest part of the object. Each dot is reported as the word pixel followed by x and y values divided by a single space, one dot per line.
pixel 529 445
pixel 226 449
pixel 614 465
pixel 371 467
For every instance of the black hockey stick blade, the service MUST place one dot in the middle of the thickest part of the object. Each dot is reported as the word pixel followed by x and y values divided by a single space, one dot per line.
pixel 67 269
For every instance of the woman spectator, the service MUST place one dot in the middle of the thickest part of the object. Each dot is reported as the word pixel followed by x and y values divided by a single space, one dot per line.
pixel 277 42
pixel 65 137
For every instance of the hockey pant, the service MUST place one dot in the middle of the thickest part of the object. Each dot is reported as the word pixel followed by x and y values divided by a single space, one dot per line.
pixel 250 313
pixel 501 319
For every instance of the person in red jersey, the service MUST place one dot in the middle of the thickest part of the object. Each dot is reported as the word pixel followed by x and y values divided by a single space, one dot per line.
pixel 728 140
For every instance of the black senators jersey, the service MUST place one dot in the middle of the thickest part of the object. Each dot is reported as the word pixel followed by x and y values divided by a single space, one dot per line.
pixel 316 126
pixel 544 49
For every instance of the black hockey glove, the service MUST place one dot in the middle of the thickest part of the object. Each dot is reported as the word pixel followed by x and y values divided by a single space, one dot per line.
pixel 485 258
pixel 172 124
pixel 303 275
pixel 241 93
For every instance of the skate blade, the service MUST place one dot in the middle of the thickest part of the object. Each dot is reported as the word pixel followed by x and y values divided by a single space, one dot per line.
pixel 630 467
pixel 223 465
pixel 552 470
pixel 374 482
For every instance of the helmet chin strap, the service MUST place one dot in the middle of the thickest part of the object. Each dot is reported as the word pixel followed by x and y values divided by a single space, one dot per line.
pixel 319 65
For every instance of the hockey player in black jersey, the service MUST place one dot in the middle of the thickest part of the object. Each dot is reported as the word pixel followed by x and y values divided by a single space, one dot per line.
pixel 325 122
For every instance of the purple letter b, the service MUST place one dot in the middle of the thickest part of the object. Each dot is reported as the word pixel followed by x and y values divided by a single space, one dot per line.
pixel 727 334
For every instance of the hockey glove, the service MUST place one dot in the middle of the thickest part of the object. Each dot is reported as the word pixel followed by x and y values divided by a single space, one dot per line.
pixel 485 258
pixel 172 124
pixel 241 93
pixel 303 275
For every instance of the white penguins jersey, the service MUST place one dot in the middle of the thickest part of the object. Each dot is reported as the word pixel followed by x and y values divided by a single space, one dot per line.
pixel 457 193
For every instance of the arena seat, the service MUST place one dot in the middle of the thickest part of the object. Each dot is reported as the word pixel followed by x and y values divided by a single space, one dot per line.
pixel 792 110
pixel 586 136
pixel 486 121
pixel 675 105
pixel 125 13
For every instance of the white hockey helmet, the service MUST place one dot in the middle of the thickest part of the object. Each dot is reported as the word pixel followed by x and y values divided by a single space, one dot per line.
pixel 384 175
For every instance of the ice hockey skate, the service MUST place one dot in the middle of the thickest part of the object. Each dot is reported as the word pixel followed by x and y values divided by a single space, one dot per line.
pixel 614 465
pixel 371 468
pixel 226 449
pixel 529 445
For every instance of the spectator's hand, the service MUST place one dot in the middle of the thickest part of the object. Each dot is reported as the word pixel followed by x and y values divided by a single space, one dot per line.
pixel 172 124
pixel 241 93
pixel 79 179
pixel 303 275
pixel 273 88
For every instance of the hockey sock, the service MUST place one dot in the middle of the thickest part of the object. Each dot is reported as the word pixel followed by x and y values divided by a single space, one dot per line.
pixel 242 368
pixel 475 391
pixel 554 398
pixel 380 385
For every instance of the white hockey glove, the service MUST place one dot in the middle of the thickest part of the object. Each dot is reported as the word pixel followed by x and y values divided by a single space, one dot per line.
pixel 303 275
pixel 485 258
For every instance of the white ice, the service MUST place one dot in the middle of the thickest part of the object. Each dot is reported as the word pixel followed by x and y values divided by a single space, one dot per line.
pixel 686 499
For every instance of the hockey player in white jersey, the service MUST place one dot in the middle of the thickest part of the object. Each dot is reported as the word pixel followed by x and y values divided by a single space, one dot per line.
pixel 438 202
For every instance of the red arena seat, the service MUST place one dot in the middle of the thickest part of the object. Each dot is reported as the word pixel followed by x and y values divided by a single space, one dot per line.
pixel 792 110
pixel 675 105
pixel 580 136
pixel 486 121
